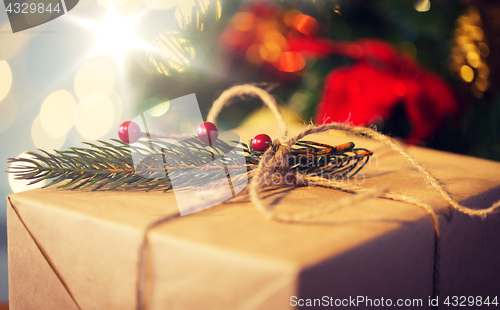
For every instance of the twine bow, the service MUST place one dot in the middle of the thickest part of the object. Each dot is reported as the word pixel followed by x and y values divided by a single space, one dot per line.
pixel 275 160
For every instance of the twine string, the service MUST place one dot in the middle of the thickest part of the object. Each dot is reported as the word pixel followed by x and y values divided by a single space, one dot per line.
pixel 225 99
pixel 274 160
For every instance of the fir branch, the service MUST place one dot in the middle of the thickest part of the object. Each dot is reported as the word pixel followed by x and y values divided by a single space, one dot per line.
pixel 110 165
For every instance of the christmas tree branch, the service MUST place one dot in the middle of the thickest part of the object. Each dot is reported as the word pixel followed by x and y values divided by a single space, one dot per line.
pixel 106 165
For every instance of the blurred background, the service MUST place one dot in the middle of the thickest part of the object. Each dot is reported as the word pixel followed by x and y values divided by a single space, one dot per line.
pixel 426 72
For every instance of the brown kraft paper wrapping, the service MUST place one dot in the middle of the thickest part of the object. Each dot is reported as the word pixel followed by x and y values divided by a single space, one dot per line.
pixel 79 250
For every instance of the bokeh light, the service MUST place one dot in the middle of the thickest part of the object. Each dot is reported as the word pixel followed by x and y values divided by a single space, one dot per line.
pixel 160 109
pixel 336 9
pixel 161 5
pixel 408 49
pixel 130 7
pixel 16 42
pixel 94 116
pixel 264 27
pixel 423 5
pixel 53 122
pixel 483 71
pixel 256 53
pixel 57 113
pixel 467 60
pixel 5 79
pixel 22 185
pixel 484 49
pixel 306 24
pixel 473 59
pixel 264 39
pixel 481 84
pixel 8 112
pixel 476 33
pixel 243 21
pixel 467 73
pixel 354 50
pixel 274 43
pixel 299 101
pixel 42 139
pixel 111 3
pixel 399 89
pixel 291 62
pixel 275 37
pixel 94 76
pixel 185 9
pixel 289 17
pixel 117 108
pixel 173 53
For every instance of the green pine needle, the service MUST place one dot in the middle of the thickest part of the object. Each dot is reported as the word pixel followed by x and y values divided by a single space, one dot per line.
pixel 109 165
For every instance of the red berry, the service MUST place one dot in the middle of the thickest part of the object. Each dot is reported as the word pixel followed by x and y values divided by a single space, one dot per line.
pixel 207 132
pixel 129 132
pixel 260 142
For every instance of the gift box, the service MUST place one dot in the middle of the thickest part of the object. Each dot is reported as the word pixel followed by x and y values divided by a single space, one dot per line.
pixel 80 249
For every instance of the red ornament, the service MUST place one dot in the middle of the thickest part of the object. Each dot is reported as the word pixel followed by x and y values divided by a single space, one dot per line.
pixel 129 132
pixel 207 132
pixel 260 142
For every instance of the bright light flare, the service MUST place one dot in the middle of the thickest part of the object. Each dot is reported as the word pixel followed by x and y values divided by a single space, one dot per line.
pixel 115 35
